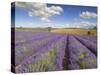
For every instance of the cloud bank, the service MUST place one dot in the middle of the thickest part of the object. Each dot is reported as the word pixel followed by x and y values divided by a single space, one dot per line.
pixel 88 15
pixel 85 24
pixel 40 10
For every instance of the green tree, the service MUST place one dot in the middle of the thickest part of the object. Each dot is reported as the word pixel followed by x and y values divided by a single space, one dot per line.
pixel 49 29
pixel 95 27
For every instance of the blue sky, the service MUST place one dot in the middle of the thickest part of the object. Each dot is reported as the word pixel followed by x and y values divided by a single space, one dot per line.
pixel 59 16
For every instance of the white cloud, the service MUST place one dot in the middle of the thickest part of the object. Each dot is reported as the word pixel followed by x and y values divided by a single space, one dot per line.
pixel 40 10
pixel 85 24
pixel 88 15
pixel 45 19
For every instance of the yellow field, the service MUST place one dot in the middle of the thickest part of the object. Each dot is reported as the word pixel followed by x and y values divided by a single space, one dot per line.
pixel 61 30
pixel 76 31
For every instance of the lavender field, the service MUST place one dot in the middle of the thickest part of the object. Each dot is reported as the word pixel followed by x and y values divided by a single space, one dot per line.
pixel 53 37
pixel 47 51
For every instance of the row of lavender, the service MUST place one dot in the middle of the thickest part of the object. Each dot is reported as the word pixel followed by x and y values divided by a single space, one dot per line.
pixel 80 56
pixel 44 51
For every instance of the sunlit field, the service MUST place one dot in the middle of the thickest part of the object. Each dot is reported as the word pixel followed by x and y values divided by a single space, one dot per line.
pixel 61 30
pixel 76 31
